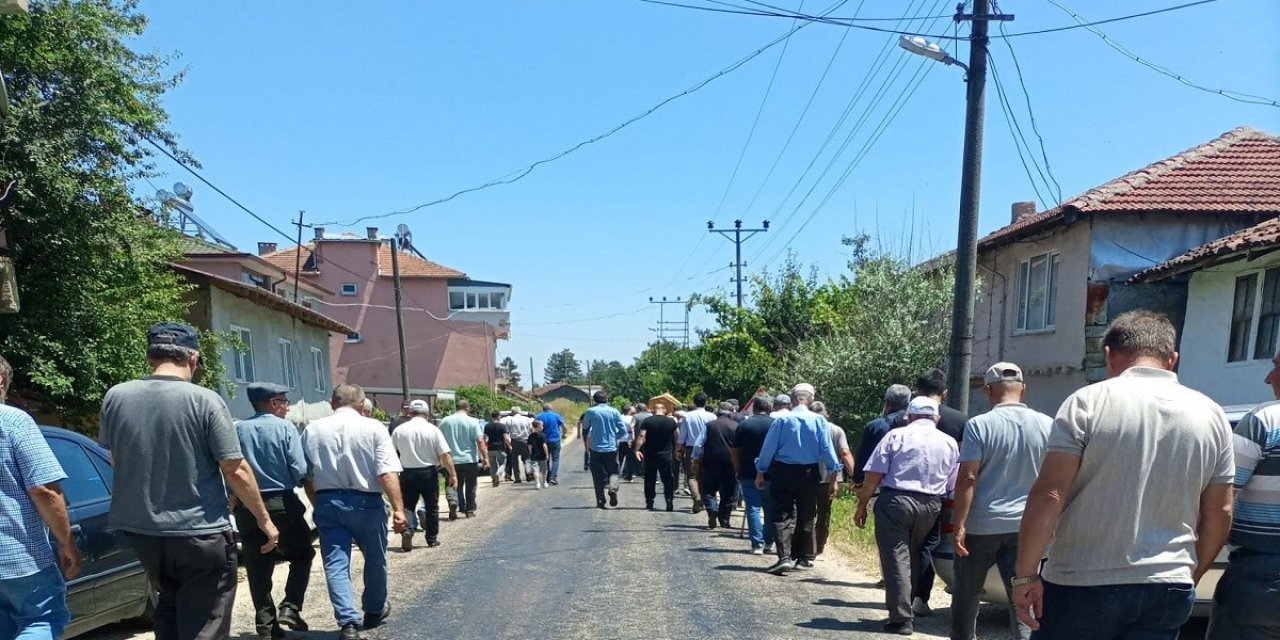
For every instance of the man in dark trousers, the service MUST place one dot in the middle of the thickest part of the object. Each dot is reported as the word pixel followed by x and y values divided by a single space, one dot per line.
pixel 747 441
pixel 655 448
pixel 273 449
pixel 713 459
pixel 603 427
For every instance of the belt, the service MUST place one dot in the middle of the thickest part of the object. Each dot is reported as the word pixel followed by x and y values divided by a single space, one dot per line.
pixel 347 492
pixel 914 494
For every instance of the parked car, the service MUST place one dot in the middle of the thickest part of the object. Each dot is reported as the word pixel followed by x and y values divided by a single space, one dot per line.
pixel 112 585
pixel 993 589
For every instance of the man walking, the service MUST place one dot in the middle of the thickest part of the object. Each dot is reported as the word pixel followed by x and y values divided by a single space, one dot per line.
pixel 655 449
pixel 626 446
pixel 913 466
pixel 896 398
pixel 1134 492
pixel 796 443
pixel 553 429
pixel 174 452
pixel 692 427
pixel 747 442
pixel 353 464
pixel 1246 603
pixel 840 441
pixel 519 426
pixel 999 461
pixel 467 447
pixel 33 591
pixel 272 447
pixel 498 440
pixel 423 453
pixel 713 461
pixel 933 384
pixel 603 427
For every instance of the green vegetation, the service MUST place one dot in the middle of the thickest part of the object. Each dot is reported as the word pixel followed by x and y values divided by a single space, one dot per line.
pixel 562 366
pixel 859 543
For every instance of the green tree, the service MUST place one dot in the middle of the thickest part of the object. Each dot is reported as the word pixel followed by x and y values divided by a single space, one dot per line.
pixel 513 376
pixel 562 366
pixel 92 271
pixel 483 400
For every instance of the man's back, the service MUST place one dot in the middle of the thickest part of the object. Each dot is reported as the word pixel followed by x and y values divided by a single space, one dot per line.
pixel 719 439
pixel 419 443
pixel 25 462
pixel 1148 447
pixel 604 426
pixel 659 435
pixel 166 437
pixel 1009 443
pixel 748 440
pixel 461 431
pixel 495 435
pixel 273 449
pixel 695 424
pixel 519 426
pixel 552 425
pixel 1256 526
pixel 349 451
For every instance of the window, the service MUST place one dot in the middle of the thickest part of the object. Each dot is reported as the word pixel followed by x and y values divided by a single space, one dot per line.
pixel 243 360
pixel 349 288
pixel 256 279
pixel 353 338
pixel 499 300
pixel 1268 316
pixel 84 484
pixel 1242 318
pixel 318 368
pixel 457 300
pixel 1037 292
pixel 289 364
pixel 472 303
pixel 1255 317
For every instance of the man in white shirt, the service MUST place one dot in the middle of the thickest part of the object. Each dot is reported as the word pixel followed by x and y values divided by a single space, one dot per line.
pixel 353 463
pixel 519 426
pixel 692 427
pixel 423 451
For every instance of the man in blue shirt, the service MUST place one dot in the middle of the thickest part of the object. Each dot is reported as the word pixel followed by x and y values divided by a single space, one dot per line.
pixel 603 428
pixel 273 448
pixel 33 595
pixel 797 441
pixel 552 428
pixel 692 427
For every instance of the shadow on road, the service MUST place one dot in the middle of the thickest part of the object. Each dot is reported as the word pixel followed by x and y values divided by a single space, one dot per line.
pixel 738 568
pixel 831 624
pixel 715 550
pixel 833 602
pixel 838 583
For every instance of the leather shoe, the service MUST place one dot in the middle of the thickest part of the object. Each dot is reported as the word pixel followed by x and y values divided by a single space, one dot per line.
pixel 350 632
pixel 290 617
pixel 373 621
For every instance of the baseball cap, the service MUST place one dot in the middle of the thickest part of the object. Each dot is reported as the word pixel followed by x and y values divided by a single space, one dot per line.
pixel 803 387
pixel 1002 372
pixel 515 411
pixel 782 398
pixel 419 406
pixel 897 395
pixel 264 391
pixel 922 406
pixel 726 407
pixel 175 333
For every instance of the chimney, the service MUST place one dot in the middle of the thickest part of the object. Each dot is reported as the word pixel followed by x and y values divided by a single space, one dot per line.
pixel 1022 210
pixel 319 233
pixel 371 232
pixel 266 247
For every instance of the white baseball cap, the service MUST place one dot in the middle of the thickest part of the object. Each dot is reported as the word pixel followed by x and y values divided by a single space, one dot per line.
pixel 419 406
pixel 1002 372
pixel 803 387
pixel 923 406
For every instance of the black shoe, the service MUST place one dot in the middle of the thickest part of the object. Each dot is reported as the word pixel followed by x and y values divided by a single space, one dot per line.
pixel 433 543
pixel 600 504
pixel 290 617
pixel 671 506
pixel 724 524
pixel 375 620
pixel 350 632
pixel 453 512
pixel 711 521
pixel 649 506
pixel 782 566
pixel 553 481
pixel 471 514
pixel 804 564
pixel 904 628
pixel 613 498
pixel 270 632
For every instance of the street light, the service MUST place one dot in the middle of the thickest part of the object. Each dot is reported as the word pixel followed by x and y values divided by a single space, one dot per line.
pixel 921 47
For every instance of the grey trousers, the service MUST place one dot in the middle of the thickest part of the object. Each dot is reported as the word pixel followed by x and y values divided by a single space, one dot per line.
pixel 985 551
pixel 903 522
pixel 497 458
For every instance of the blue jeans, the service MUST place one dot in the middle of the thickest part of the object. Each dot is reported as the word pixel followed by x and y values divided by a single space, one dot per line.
pixel 1246 603
pixel 342 517
pixel 1154 611
pixel 759 528
pixel 34 607
pixel 554 449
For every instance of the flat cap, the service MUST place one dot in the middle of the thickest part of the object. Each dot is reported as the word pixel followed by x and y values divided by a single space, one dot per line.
pixel 803 387
pixel 175 333
pixel 264 391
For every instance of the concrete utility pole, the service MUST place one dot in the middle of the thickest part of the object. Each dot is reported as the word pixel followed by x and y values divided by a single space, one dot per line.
pixel 395 279
pixel 297 260
pixel 736 236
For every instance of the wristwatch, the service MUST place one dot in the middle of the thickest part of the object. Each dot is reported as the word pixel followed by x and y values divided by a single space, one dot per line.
pixel 1023 581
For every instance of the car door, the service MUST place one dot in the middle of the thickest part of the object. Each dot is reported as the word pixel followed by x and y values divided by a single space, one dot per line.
pixel 87 504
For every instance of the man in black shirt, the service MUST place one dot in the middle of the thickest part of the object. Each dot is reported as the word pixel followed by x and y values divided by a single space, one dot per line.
pixel 404 417
pixel 655 448
pixel 499 441
pixel 713 460
pixel 747 442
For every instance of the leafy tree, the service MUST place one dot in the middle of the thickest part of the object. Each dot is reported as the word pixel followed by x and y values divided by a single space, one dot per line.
pixel 562 366
pixel 513 376
pixel 92 272
pixel 483 400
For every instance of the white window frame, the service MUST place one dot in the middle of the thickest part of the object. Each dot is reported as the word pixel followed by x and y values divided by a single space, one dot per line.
pixel 288 364
pixel 1252 354
pixel 317 367
pixel 349 289
pixel 238 369
pixel 493 299
pixel 354 338
pixel 1022 321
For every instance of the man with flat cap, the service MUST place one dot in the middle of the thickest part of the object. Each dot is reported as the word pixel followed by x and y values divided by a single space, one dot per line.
pixel 713 461
pixel 273 449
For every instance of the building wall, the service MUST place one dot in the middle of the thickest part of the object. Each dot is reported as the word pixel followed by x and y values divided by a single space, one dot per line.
pixel 268 326
pixel 1206 336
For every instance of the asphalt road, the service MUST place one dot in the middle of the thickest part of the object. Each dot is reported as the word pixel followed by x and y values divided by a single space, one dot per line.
pixel 549 564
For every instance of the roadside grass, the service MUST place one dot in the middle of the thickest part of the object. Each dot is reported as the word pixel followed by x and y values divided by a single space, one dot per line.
pixel 859 545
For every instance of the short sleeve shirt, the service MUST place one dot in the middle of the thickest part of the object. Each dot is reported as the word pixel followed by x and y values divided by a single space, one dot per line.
pixel 419 443
pixel 748 440
pixel 839 440
pixel 462 432
pixel 659 435
pixel 26 462
pixel 537 440
pixel 495 433
pixel 167 437
pixel 1008 442
pixel 349 451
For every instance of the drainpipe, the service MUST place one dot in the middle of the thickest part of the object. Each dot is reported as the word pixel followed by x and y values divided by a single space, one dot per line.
pixel 1004 312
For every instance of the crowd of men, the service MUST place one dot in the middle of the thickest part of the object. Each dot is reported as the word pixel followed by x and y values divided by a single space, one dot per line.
pixel 1100 522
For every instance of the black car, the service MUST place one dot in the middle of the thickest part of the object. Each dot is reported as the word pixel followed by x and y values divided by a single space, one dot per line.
pixel 111 586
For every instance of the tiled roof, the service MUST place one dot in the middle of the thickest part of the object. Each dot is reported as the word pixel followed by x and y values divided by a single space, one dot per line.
pixel 263 298
pixel 191 245
pixel 1238 172
pixel 1262 236
pixel 411 266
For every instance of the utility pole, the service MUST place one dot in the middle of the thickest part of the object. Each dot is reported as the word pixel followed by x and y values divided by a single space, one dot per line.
pixel 395 279
pixel 532 386
pixel 673 331
pixel 736 236
pixel 960 356
pixel 297 260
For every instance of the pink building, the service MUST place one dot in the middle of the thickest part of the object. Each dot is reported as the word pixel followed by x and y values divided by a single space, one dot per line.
pixel 451 323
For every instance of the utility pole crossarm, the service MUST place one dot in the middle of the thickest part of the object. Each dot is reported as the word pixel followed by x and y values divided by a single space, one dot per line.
pixel 736 235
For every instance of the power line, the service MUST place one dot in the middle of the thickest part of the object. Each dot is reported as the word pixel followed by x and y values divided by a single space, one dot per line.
pixel 1035 128
pixel 753 12
pixel 1238 96
pixel 521 173
pixel 1015 132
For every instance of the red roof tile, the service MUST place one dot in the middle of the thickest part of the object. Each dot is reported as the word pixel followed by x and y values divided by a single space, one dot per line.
pixel 1262 236
pixel 411 266
pixel 1238 172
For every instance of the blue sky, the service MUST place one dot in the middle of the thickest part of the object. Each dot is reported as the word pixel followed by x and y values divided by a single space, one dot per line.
pixel 354 109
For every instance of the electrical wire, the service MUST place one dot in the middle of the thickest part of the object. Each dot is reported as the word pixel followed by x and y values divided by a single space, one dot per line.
pixel 1019 140
pixel 735 9
pixel 1035 128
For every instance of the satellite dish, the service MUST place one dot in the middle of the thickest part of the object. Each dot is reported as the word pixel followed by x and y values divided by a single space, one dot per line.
pixel 402 230
pixel 164 195
pixel 182 190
